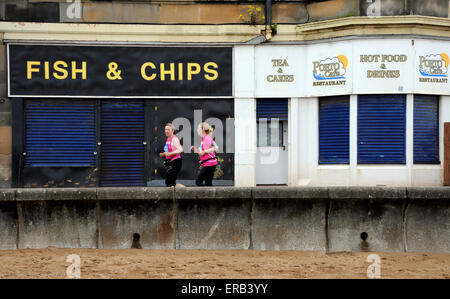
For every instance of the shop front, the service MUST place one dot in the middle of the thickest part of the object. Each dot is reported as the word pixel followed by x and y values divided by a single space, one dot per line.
pixel 94 116
pixel 361 112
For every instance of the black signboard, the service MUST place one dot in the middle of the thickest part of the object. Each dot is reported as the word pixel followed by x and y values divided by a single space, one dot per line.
pixel 119 71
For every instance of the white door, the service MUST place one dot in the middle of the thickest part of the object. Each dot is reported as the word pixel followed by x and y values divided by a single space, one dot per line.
pixel 272 153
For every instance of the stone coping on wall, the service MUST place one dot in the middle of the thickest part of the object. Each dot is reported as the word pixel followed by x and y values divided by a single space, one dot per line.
pixel 111 193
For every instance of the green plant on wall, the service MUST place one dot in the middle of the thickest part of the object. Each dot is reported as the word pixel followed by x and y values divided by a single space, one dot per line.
pixel 253 15
pixel 273 27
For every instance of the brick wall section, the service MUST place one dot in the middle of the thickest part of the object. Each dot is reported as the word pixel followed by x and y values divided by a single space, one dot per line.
pixel 31 12
pixel 113 12
pixel 209 11
pixel 5 125
pixel 435 8
pixel 215 13
pixel 301 13
pixel 5 156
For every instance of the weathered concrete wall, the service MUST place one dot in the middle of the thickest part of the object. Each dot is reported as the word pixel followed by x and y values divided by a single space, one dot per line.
pixel 143 211
pixel 213 218
pixel 289 219
pixel 285 218
pixel 428 220
pixel 65 218
pixel 373 211
pixel 8 220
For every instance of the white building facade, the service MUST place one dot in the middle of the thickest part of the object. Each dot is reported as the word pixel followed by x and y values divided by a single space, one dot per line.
pixel 361 112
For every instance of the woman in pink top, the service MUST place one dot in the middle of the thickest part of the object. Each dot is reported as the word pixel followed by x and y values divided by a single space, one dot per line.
pixel 172 151
pixel 207 155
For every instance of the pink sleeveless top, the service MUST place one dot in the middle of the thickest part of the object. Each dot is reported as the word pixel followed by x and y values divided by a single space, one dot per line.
pixel 168 148
pixel 207 143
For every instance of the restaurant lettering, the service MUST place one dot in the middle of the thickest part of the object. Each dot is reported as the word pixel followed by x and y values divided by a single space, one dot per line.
pixel 279 64
pixel 433 68
pixel 330 71
pixel 383 71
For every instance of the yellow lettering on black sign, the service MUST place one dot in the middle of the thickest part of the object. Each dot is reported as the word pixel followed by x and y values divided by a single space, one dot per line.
pixel 170 72
pixel 30 69
pixel 211 74
pixel 143 71
pixel 82 70
pixel 192 69
pixel 169 69
pixel 60 69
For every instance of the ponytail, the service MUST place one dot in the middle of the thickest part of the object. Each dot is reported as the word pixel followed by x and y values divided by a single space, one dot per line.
pixel 207 128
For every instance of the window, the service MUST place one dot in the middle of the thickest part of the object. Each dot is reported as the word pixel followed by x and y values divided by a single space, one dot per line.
pixel 426 129
pixel 334 130
pixel 270 133
pixel 270 114
pixel 381 129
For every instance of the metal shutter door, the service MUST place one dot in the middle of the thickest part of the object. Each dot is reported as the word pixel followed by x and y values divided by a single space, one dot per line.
pixel 334 130
pixel 381 129
pixel 272 108
pixel 59 133
pixel 426 129
pixel 122 151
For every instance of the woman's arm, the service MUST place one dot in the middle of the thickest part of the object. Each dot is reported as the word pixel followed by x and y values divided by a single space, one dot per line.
pixel 177 145
pixel 213 149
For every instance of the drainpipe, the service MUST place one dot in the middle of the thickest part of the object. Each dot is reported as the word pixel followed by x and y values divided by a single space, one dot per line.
pixel 268 31
pixel 268 12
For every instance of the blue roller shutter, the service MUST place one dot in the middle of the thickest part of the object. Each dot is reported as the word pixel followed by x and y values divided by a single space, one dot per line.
pixel 59 133
pixel 381 129
pixel 272 108
pixel 122 149
pixel 334 131
pixel 426 129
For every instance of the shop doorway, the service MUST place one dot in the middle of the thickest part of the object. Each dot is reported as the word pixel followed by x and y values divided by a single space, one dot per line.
pixel 272 149
pixel 185 115
pixel 122 143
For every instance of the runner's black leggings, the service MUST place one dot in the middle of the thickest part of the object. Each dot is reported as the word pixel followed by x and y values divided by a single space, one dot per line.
pixel 206 174
pixel 172 172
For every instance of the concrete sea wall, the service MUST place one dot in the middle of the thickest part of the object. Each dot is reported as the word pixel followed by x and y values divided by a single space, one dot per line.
pixel 329 219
